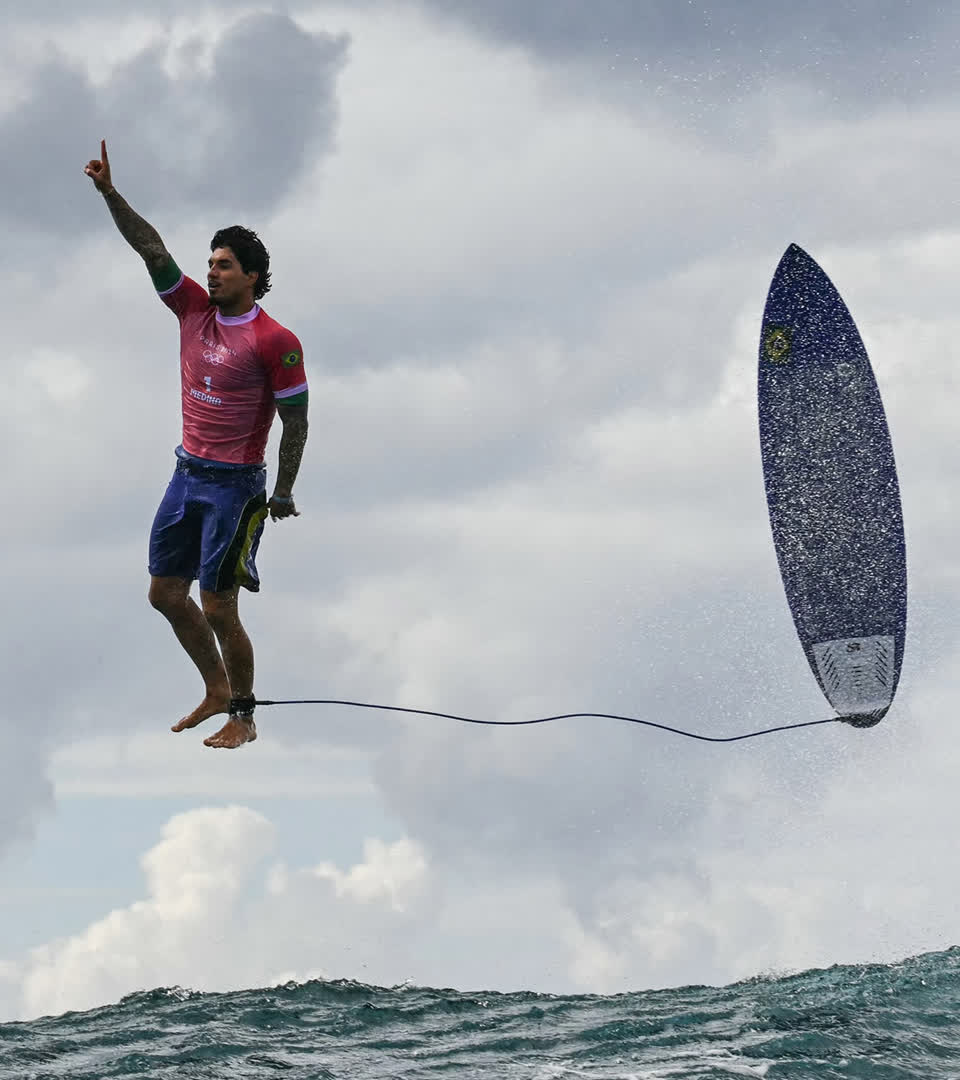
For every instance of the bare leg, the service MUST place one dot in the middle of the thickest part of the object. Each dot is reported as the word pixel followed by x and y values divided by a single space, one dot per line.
pixel 171 597
pixel 221 612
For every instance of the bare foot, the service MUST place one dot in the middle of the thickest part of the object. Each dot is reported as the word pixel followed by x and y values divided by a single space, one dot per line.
pixel 212 704
pixel 235 732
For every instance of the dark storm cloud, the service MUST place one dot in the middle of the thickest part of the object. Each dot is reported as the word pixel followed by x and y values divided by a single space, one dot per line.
pixel 889 47
pixel 40 13
pixel 233 137
pixel 570 26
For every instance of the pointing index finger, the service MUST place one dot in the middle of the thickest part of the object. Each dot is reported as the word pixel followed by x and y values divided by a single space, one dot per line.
pixel 103 151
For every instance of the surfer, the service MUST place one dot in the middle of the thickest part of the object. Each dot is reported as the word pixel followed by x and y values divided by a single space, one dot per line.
pixel 238 368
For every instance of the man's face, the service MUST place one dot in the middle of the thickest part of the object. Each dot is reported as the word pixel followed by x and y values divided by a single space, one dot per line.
pixel 226 281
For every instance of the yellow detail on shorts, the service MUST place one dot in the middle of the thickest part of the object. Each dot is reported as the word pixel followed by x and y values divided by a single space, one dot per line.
pixel 256 520
pixel 776 344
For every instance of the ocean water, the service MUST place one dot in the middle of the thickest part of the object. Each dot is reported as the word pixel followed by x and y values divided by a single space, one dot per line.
pixel 880 1021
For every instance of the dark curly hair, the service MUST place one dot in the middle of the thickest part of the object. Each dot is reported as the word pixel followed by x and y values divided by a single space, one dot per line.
pixel 250 253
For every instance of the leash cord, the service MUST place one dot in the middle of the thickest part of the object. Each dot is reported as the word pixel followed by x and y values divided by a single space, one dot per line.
pixel 239 702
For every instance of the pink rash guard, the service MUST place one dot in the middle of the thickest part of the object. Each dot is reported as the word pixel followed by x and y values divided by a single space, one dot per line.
pixel 233 371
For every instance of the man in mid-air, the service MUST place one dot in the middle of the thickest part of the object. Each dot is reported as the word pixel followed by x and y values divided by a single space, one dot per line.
pixel 238 367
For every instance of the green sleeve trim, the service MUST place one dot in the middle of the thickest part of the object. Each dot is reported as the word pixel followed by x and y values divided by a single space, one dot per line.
pixel 166 277
pixel 296 399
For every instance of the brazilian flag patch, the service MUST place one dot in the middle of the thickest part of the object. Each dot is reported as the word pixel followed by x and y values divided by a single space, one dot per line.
pixel 777 343
pixel 290 359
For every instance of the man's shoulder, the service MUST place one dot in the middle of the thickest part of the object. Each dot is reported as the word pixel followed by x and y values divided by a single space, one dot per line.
pixel 186 297
pixel 274 337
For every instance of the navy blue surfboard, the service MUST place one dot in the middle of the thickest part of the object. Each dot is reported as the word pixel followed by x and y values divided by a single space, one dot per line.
pixel 832 491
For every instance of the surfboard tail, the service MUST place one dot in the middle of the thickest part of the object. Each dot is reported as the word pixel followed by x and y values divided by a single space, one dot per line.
pixel 858 675
pixel 861 721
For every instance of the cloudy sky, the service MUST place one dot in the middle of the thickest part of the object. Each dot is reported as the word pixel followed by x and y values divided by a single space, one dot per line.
pixel 526 247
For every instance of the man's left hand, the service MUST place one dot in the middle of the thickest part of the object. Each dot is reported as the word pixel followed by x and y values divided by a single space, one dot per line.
pixel 282 508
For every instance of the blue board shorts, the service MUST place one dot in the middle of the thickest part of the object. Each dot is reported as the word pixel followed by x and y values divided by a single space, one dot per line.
pixel 209 524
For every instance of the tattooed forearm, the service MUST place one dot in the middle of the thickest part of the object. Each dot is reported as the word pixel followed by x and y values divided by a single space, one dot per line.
pixel 292 441
pixel 139 234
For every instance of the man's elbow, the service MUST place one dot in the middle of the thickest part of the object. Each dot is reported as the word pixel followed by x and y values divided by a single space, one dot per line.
pixel 156 258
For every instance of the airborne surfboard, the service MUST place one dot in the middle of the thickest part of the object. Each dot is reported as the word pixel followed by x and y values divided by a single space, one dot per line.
pixel 832 491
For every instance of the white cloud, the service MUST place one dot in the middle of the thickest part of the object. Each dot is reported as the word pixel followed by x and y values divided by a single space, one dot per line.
pixel 195 877
pixel 393 873
pixel 211 920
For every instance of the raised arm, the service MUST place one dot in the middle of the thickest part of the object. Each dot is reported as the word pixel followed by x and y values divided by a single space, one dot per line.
pixel 139 234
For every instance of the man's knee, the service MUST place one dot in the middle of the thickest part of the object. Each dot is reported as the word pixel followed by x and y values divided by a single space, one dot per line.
pixel 220 609
pixel 168 595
